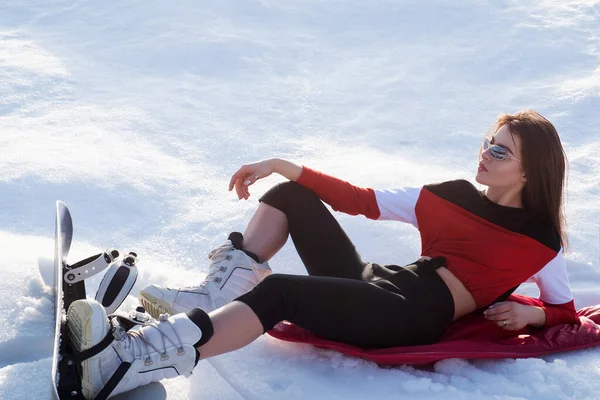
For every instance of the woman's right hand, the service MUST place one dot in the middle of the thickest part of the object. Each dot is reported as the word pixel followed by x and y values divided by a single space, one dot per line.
pixel 248 174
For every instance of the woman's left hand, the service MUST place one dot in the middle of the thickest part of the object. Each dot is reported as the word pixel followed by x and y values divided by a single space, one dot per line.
pixel 508 315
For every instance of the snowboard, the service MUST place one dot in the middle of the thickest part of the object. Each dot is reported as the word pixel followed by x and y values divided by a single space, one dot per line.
pixel 69 285
pixel 64 231
pixel 64 375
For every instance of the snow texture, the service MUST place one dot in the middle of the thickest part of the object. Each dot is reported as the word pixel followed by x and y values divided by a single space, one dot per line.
pixel 136 114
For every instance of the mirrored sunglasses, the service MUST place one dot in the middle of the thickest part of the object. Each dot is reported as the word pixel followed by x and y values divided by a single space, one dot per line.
pixel 497 152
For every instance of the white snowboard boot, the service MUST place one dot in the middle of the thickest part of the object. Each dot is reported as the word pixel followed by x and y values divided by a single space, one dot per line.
pixel 158 350
pixel 232 273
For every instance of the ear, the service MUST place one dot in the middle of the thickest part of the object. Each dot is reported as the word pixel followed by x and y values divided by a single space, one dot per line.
pixel 523 178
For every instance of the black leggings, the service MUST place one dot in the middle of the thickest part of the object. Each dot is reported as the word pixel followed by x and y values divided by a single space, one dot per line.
pixel 343 298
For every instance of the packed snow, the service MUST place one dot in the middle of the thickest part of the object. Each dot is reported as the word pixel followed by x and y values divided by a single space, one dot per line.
pixel 137 113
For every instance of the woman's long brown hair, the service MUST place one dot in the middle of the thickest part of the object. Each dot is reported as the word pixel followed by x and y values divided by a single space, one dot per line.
pixel 545 164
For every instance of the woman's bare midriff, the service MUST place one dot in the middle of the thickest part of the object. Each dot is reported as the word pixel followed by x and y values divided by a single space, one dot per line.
pixel 464 303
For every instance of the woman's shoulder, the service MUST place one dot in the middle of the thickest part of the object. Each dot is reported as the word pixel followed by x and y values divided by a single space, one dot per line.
pixel 458 191
pixel 450 185
pixel 544 231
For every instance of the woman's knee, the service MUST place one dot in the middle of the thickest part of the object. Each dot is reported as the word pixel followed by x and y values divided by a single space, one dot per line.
pixel 269 300
pixel 274 281
pixel 291 187
pixel 281 289
pixel 286 194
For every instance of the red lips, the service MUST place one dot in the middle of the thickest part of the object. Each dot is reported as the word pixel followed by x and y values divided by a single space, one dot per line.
pixel 482 167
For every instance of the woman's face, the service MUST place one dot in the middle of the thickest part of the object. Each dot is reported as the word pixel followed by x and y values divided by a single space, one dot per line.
pixel 501 173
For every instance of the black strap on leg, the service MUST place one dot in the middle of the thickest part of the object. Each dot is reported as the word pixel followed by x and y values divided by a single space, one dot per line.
pixel 113 381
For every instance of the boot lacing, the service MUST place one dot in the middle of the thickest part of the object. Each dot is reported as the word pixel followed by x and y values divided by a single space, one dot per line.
pixel 215 270
pixel 139 339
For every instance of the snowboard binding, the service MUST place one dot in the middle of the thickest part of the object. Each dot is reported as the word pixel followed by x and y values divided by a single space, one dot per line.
pixel 117 282
pixel 69 286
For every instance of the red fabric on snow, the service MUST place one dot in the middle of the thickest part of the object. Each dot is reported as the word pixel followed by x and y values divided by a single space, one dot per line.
pixel 471 337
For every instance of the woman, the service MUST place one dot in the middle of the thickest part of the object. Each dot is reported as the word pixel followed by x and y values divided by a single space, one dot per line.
pixel 477 247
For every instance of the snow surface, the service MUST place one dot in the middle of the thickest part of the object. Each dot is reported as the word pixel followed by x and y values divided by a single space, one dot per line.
pixel 137 113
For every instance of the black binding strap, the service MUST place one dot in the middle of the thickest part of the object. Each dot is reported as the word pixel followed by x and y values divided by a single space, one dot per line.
pixel 113 381
pixel 77 358
pixel 92 351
